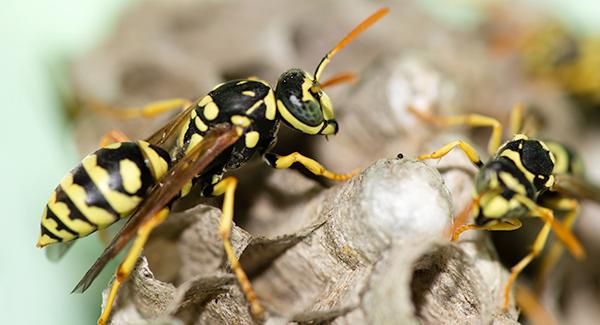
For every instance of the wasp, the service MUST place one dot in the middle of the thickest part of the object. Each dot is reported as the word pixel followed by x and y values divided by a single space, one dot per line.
pixel 213 135
pixel 525 177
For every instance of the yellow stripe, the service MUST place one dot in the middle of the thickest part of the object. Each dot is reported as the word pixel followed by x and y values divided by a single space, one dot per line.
pixel 249 93
pixel 62 212
pixel 158 165
pixel 271 105
pixel 254 107
pixel 194 140
pixel 288 117
pixel 121 203
pixel 182 133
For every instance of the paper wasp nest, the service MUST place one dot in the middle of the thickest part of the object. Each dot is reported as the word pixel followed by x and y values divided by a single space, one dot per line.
pixel 371 250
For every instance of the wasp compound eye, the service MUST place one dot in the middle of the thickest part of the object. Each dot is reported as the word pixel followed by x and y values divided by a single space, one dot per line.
pixel 298 103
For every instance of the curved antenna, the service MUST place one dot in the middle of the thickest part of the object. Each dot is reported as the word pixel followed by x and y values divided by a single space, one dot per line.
pixel 357 30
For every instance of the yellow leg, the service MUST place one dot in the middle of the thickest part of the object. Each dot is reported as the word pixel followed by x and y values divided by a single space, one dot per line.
pixel 465 147
pixel 563 233
pixel 556 251
pixel 538 245
pixel 500 225
pixel 282 162
pixel 516 119
pixel 128 263
pixel 227 187
pixel 473 120
pixel 113 136
pixel 531 307
pixel 148 110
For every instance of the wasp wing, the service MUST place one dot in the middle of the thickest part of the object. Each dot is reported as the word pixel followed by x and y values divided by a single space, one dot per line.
pixel 576 187
pixel 162 135
pixel 56 251
pixel 162 194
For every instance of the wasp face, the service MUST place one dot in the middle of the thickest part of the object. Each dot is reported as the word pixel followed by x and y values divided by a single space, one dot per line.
pixel 303 105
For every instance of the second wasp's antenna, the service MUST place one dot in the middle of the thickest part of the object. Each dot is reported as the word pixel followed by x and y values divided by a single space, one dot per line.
pixel 357 30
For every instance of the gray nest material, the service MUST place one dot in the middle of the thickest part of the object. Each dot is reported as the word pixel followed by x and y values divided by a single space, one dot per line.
pixel 371 250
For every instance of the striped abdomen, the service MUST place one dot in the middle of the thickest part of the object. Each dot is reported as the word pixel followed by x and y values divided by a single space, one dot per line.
pixel 106 186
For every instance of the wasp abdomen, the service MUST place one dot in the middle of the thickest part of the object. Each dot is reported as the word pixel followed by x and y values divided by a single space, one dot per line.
pixel 107 185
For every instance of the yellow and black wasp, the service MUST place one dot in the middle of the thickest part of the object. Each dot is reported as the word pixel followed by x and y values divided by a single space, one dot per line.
pixel 524 177
pixel 217 133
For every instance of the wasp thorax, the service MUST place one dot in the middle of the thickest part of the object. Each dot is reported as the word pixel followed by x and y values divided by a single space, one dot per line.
pixel 303 105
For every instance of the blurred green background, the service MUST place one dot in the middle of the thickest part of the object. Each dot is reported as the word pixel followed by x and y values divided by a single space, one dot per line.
pixel 38 38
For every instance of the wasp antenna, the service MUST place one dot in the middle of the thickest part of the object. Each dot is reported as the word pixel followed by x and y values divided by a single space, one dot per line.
pixel 357 30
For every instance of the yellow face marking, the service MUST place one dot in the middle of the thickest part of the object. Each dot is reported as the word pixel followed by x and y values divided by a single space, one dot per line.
pixel 194 140
pixel 561 156
pixel 193 114
pixel 251 139
pixel 130 175
pixel 296 124
pixel 249 93
pixel 240 120
pixel 211 111
pixel 61 210
pixel 254 107
pixel 200 124
pixel 121 203
pixel 271 105
pixel 329 129
pixel 158 165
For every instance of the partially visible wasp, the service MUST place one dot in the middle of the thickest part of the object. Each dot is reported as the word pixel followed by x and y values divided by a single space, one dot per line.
pixel 217 133
pixel 525 177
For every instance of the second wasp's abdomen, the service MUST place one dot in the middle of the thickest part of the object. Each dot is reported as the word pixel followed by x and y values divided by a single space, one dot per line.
pixel 107 185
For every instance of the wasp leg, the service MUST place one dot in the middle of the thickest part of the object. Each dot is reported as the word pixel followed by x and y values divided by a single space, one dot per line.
pixel 563 233
pixel 113 136
pixel 538 245
pixel 148 110
pixel 465 147
pixel 572 207
pixel 531 306
pixel 504 225
pixel 227 187
pixel 282 162
pixel 473 120
pixel 128 263
pixel 516 119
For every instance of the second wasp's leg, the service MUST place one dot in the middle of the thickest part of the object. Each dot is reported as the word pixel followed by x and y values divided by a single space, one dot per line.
pixel 538 245
pixel 131 258
pixel 556 251
pixel 282 162
pixel 227 187
pixel 531 307
pixel 563 233
pixel 504 225
pixel 148 110
pixel 465 147
pixel 473 120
